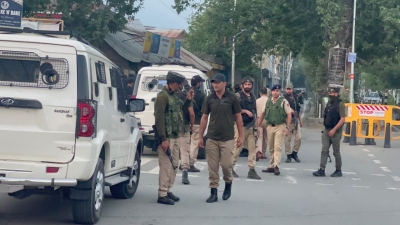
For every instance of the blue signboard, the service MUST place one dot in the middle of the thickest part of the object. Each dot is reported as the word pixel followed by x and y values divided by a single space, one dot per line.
pixel 11 13
pixel 352 57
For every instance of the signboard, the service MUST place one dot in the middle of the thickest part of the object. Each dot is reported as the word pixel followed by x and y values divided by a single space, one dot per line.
pixel 352 57
pixel 30 24
pixel 11 13
pixel 371 110
pixel 161 46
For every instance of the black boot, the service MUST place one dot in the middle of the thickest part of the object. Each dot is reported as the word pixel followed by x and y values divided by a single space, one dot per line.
pixel 337 173
pixel 173 197
pixel 185 178
pixel 295 157
pixel 165 200
pixel 193 169
pixel 289 159
pixel 213 197
pixel 227 191
pixel 319 173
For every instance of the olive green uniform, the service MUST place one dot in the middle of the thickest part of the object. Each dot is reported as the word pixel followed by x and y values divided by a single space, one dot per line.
pixel 170 126
pixel 327 141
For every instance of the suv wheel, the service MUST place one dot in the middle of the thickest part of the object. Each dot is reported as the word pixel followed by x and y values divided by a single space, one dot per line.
pixel 89 211
pixel 127 189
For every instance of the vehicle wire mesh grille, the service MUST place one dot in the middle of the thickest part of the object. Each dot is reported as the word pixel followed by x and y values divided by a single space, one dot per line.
pixel 27 69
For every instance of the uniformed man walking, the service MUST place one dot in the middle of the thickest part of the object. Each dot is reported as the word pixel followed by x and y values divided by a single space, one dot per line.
pixel 198 100
pixel 170 126
pixel 265 93
pixel 277 114
pixel 334 118
pixel 248 104
pixel 221 106
pixel 184 145
pixel 294 129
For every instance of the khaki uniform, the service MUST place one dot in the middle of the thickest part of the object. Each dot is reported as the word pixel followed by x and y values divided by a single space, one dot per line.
pixel 220 135
pixel 297 139
pixel 194 145
pixel 161 111
pixel 276 135
pixel 184 147
pixel 263 138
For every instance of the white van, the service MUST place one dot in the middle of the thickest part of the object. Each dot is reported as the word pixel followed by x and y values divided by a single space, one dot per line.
pixel 64 123
pixel 149 82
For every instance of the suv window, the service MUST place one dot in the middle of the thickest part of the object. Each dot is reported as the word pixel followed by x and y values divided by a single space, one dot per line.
pixel 156 84
pixel 27 69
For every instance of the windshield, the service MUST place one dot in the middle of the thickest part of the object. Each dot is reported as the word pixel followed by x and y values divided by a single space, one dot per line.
pixel 373 95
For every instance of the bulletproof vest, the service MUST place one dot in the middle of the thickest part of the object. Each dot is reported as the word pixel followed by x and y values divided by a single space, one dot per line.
pixel 331 114
pixel 250 105
pixel 292 101
pixel 174 123
pixel 275 113
pixel 182 95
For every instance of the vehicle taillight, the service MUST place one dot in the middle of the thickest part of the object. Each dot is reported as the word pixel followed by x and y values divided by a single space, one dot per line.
pixel 133 97
pixel 87 118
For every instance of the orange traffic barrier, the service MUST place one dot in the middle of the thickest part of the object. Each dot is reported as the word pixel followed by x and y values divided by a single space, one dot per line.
pixel 377 120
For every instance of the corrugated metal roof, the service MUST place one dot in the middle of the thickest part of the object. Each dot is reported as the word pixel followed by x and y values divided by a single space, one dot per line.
pixel 129 45
pixel 173 33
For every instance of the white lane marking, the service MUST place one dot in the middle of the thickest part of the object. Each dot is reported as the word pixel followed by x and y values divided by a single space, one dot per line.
pixel 255 180
pixel 371 155
pixel 349 173
pixel 377 161
pixel 236 179
pixel 156 170
pixel 146 160
pixel 385 169
pixel 396 189
pixel 189 175
pixel 379 175
pixel 309 170
pixel 289 168
pixel 201 163
pixel 356 178
pixel 323 184
pixel 355 186
pixel 201 167
pixel 396 178
pixel 291 179
pixel 365 150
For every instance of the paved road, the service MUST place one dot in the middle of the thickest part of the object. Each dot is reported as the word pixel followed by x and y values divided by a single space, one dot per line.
pixel 368 193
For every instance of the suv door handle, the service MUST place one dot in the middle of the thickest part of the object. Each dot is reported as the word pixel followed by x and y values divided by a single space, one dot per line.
pixel 122 120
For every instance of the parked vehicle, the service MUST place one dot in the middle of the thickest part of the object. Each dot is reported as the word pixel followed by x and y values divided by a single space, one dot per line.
pixel 372 98
pixel 149 82
pixel 64 125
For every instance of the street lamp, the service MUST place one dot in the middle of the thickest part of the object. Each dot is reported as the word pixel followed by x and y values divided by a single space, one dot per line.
pixel 233 56
pixel 351 97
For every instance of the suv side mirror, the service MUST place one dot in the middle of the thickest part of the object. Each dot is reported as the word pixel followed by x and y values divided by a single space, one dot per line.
pixel 136 105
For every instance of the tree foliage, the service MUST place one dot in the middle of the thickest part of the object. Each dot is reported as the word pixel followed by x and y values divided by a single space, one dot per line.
pixel 92 19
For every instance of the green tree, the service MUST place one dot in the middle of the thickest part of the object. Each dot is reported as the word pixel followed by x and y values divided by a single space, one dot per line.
pixel 92 19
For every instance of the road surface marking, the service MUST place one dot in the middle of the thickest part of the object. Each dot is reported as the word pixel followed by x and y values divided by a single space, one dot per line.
pixel 371 155
pixel 365 150
pixel 379 175
pixel 145 160
pixel 323 184
pixel 377 161
pixel 254 180
pixel 396 178
pixel 291 179
pixel 309 170
pixel 355 186
pixel 189 175
pixel 349 173
pixel 356 178
pixel 396 189
pixel 385 169
pixel 236 179
pixel 289 168
pixel 156 170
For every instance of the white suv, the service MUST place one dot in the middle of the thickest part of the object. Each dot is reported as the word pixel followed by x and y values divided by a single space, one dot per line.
pixel 64 123
pixel 150 81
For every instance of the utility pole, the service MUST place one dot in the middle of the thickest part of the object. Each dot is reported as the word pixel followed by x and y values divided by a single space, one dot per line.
pixel 233 52
pixel 353 50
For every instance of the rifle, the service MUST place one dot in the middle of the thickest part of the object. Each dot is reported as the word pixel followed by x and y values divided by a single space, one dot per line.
pixel 158 142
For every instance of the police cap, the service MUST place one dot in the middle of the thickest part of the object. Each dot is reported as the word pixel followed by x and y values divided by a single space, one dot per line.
pixel 247 79
pixel 334 88
pixel 175 77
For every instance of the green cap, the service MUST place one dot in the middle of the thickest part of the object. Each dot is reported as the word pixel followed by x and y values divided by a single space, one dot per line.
pixel 289 85
pixel 175 77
